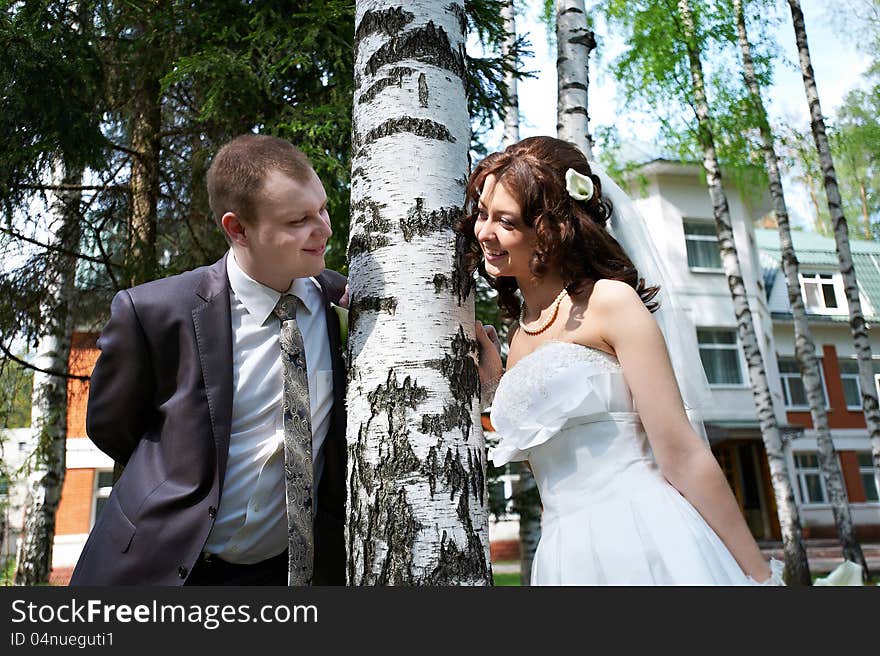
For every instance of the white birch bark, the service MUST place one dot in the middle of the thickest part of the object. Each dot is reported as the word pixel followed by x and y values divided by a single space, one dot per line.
pixel 511 110
pixel 796 564
pixel 574 41
pixel 49 412
pixel 525 492
pixel 805 349
pixel 857 322
pixel 417 499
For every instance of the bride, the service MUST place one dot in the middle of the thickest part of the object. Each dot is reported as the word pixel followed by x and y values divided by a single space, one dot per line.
pixel 631 493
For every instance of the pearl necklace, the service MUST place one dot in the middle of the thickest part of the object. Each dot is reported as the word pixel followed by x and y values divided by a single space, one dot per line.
pixel 547 322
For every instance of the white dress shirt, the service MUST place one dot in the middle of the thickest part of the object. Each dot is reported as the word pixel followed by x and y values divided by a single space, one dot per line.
pixel 251 522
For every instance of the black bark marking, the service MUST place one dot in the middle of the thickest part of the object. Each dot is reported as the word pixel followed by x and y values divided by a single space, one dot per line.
pixel 575 85
pixel 576 110
pixel 458 11
pixel 587 39
pixel 376 304
pixel 359 172
pixel 436 425
pixel 429 44
pixel 419 223
pixel 360 244
pixel 398 526
pixel 441 282
pixel 421 127
pixel 369 212
pixel 423 90
pixel 459 368
pixel 390 21
pixel 395 78
pixel 462 282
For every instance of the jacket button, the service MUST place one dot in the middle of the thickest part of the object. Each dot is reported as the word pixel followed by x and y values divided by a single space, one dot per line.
pixel 212 512
pixel 182 572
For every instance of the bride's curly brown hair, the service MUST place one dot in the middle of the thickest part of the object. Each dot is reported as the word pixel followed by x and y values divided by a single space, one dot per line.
pixel 571 235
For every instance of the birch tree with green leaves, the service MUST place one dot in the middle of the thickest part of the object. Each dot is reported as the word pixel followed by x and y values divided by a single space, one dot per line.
pixel 805 348
pixel 664 64
pixel 858 326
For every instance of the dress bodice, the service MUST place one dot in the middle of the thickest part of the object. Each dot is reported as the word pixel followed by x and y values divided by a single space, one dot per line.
pixel 566 408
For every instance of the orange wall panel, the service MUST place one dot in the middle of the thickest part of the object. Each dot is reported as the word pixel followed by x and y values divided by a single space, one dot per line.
pixel 75 509
pixel 849 464
pixel 838 415
pixel 83 355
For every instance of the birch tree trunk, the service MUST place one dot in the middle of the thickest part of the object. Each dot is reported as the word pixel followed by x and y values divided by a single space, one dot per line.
pixel 841 239
pixel 49 412
pixel 805 349
pixel 511 110
pixel 527 501
pixel 796 564
pixel 574 41
pixel 417 499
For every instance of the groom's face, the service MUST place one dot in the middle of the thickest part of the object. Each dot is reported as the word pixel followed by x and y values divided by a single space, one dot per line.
pixel 289 235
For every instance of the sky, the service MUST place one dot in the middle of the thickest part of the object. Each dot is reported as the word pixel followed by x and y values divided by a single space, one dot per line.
pixel 837 65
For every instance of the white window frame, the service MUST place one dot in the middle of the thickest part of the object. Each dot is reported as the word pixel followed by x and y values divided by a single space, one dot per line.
pixel 785 390
pixel 743 369
pixel 869 470
pixel 875 362
pixel 835 280
pixel 689 237
pixel 99 493
pixel 801 473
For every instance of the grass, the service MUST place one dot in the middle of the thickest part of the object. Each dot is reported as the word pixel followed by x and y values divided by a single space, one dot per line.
pixel 507 579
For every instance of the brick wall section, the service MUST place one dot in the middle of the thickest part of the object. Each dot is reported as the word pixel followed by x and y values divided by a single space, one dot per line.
pixel 83 355
pixel 75 509
pixel 838 415
pixel 501 550
pixel 849 464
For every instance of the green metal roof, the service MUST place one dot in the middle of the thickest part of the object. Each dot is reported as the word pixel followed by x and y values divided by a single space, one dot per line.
pixel 814 249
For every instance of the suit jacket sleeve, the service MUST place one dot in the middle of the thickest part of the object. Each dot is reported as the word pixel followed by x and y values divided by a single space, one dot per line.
pixel 121 388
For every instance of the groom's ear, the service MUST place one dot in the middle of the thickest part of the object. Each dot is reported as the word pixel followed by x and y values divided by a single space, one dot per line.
pixel 236 232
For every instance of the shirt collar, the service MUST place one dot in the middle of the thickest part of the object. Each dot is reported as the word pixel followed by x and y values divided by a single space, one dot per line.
pixel 259 300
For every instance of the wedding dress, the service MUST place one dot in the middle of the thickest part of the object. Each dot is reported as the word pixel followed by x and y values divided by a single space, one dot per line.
pixel 610 517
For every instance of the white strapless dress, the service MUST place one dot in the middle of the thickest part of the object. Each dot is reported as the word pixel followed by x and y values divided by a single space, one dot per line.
pixel 610 517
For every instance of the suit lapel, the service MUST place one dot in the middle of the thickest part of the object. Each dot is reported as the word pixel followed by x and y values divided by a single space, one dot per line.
pixel 335 345
pixel 213 328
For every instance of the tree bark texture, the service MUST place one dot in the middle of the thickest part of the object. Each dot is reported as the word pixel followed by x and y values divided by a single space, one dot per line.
pixel 417 499
pixel 574 41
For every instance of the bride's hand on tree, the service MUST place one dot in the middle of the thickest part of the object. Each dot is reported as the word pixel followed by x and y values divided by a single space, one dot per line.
pixel 489 358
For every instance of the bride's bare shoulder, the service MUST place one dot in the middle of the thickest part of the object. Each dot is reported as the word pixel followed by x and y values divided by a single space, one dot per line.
pixel 612 296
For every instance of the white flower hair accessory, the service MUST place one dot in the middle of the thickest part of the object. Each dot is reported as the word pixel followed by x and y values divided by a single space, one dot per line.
pixel 578 185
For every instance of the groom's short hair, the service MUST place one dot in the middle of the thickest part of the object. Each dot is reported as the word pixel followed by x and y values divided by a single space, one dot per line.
pixel 238 172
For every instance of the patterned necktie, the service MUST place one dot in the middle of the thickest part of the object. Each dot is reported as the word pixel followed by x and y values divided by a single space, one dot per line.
pixel 297 445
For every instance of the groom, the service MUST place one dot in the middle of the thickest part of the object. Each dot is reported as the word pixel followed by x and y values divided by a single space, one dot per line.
pixel 221 390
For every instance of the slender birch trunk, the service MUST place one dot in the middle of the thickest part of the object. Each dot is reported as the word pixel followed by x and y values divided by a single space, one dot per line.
pixel 527 501
pixel 417 498
pixel 804 345
pixel 511 110
pixel 574 41
pixel 49 412
pixel 796 564
pixel 841 239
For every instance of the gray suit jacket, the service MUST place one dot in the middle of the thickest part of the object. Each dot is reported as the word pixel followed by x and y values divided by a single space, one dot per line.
pixel 160 402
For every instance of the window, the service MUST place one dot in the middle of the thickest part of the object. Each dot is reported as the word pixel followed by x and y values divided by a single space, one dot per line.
pixel 866 471
pixel 701 242
pixel 4 485
pixel 103 486
pixel 793 388
pixel 852 388
pixel 719 352
pixel 810 483
pixel 819 292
